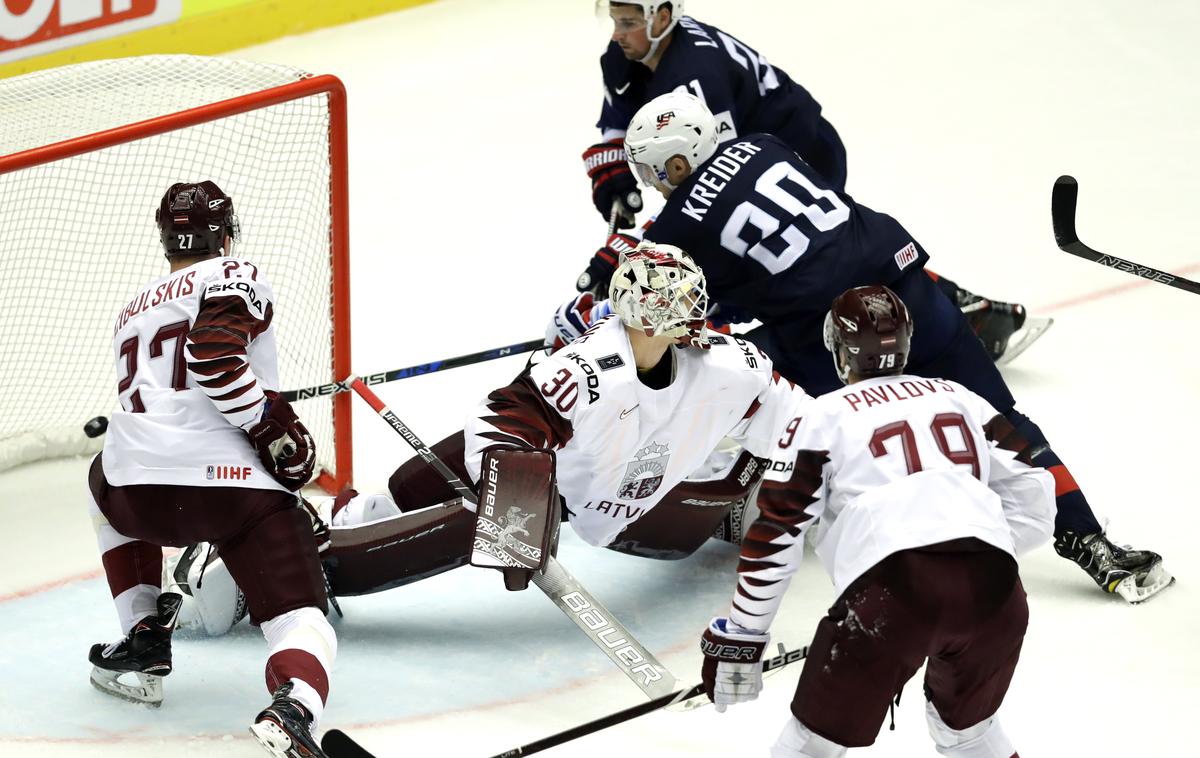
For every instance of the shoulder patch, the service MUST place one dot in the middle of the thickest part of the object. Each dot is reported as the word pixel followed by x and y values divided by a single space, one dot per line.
pixel 717 339
pixel 609 362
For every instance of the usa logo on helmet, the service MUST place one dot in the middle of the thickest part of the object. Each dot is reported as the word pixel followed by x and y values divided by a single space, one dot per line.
pixel 664 119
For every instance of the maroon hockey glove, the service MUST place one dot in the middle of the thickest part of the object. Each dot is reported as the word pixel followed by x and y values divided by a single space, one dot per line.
pixel 602 265
pixel 612 181
pixel 284 446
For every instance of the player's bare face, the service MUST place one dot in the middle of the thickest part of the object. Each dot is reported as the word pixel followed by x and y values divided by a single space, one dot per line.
pixel 629 31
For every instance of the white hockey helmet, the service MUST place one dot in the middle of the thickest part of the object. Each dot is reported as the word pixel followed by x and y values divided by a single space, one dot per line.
pixel 660 290
pixel 649 8
pixel 676 123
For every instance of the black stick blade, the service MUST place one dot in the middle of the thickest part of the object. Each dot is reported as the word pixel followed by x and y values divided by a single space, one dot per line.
pixel 1062 211
pixel 339 745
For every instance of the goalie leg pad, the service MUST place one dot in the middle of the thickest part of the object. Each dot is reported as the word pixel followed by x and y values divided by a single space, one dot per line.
pixel 517 518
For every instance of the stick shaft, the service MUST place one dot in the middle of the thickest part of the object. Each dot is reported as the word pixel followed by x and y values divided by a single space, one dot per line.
pixel 333 388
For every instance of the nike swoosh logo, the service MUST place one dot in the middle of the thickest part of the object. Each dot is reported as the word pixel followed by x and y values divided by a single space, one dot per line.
pixel 627 412
pixel 621 90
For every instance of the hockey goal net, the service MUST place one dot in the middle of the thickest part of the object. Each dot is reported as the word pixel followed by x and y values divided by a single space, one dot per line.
pixel 86 152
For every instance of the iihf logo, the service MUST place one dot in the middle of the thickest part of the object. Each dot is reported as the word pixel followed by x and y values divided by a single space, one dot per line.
pixel 664 119
pixel 210 472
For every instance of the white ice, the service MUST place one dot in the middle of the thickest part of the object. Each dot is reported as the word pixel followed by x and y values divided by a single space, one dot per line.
pixel 471 219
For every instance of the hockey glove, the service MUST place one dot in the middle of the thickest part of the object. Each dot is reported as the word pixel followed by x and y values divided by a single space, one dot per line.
pixel 612 181
pixel 284 446
pixel 575 317
pixel 732 671
pixel 603 263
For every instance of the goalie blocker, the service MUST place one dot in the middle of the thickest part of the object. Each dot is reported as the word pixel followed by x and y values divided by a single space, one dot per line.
pixel 518 516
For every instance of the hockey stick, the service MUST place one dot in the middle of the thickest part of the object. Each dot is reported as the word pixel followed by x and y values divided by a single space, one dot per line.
pixel 339 745
pixel 333 388
pixel 98 425
pixel 592 618
pixel 1062 214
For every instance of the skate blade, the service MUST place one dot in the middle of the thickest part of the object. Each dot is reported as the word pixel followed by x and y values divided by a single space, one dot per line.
pixel 1021 339
pixel 275 740
pixel 147 691
pixel 1152 582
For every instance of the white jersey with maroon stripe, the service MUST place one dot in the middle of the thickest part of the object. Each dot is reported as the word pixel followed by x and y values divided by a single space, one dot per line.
pixel 884 465
pixel 194 352
pixel 620 445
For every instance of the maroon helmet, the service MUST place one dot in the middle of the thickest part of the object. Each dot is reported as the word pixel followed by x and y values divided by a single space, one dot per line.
pixel 873 325
pixel 194 219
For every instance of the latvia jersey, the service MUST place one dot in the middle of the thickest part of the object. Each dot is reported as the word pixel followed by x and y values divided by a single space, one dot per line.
pixel 620 445
pixel 194 352
pixel 884 465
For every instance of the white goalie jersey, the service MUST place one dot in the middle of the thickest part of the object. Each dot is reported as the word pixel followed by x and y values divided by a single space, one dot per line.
pixel 620 445
pixel 195 351
pixel 888 464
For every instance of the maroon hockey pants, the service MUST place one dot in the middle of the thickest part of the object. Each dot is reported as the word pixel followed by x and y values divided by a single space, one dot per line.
pixel 263 536
pixel 958 604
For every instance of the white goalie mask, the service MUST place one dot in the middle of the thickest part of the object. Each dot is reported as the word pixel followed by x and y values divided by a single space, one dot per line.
pixel 649 8
pixel 659 290
pixel 672 124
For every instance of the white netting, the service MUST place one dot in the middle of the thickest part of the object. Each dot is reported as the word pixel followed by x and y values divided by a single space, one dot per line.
pixel 77 236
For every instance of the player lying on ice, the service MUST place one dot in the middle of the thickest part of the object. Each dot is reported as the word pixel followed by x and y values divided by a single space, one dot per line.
pixel 621 417
pixel 920 496
pixel 777 244
pixel 655 49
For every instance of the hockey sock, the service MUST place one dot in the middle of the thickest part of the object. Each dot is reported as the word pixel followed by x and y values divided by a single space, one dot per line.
pixel 1074 513
pixel 301 649
pixel 133 569
pixel 797 741
pixel 983 740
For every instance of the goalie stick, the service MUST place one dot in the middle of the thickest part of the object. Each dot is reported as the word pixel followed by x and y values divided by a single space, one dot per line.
pixel 339 745
pixel 1062 215
pixel 587 613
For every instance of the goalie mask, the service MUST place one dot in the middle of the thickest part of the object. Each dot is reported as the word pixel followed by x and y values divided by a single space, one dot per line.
pixel 659 290
pixel 649 9
pixel 868 330
pixel 672 124
pixel 194 219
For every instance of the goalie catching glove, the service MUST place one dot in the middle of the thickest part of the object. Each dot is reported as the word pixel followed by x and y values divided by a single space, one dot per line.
pixel 517 517
pixel 732 671
pixel 284 445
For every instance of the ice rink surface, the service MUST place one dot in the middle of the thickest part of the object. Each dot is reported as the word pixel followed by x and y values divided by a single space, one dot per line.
pixel 471 218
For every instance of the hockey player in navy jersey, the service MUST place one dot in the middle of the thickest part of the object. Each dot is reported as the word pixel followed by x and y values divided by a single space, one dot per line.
pixel 656 49
pixel 777 242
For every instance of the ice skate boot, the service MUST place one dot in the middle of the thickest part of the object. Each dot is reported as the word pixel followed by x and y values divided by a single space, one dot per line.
pixel 1135 575
pixel 285 728
pixel 144 653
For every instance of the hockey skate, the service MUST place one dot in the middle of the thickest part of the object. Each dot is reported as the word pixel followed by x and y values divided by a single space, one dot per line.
pixel 1135 575
pixel 285 728
pixel 1004 328
pixel 145 653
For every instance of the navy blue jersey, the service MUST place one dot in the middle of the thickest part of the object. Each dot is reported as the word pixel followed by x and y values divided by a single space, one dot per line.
pixel 774 240
pixel 744 92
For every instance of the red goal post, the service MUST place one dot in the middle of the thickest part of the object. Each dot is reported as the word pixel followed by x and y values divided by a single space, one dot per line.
pixel 86 151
